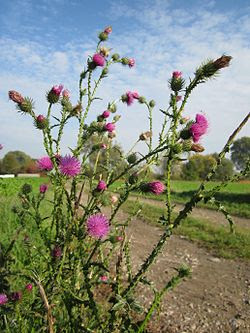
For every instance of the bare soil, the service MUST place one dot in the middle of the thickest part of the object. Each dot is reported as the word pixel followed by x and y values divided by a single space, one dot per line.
pixel 216 298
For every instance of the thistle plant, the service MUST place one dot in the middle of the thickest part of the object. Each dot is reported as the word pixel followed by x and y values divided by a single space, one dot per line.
pixel 74 273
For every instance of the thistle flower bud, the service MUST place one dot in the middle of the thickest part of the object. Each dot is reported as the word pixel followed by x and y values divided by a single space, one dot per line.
pixel 105 72
pixel 187 145
pixel 106 114
pixel 56 253
pixel 116 118
pixel 132 158
pixel 103 36
pixel 125 61
pixel 16 97
pixel 43 188
pixel 222 62
pixel 54 94
pixel 101 186
pixel 115 57
pixel 145 136
pixel 26 106
pixel 110 127
pixel 133 178
pixel 152 103
pixel 177 148
pixel 113 199
pixel 16 296
pixel 66 93
pixel 185 134
pixel 29 287
pixel 177 82
pixel 26 188
pixel 112 108
pixel 196 147
pixel 41 122
pixel 142 99
pixel 131 62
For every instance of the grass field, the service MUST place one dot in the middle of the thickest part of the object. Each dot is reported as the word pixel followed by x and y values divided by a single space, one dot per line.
pixel 235 197
pixel 218 239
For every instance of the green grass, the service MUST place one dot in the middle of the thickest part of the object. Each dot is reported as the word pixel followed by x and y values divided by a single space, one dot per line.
pixel 11 186
pixel 235 197
pixel 218 239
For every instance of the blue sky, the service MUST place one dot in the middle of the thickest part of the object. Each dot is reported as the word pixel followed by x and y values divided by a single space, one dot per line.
pixel 43 43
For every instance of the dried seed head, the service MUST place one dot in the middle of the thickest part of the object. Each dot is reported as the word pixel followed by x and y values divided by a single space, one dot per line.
pixel 222 62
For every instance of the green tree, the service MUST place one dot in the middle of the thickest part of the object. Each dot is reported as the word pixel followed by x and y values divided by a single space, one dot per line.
pixel 197 167
pixel 15 162
pixel 240 152
pixel 225 170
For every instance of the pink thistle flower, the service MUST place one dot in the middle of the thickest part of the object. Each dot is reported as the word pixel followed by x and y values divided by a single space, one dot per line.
pixel 110 127
pixel 131 62
pixel 177 74
pixel 198 128
pixel 40 118
pixel 99 60
pixel 105 114
pixel 69 166
pixel 16 296
pixel 66 93
pixel 103 146
pixel 98 225
pixel 56 252
pixel 29 287
pixel 154 187
pixel 178 98
pixel 101 186
pixel 57 89
pixel 136 95
pixel 104 278
pixel 45 163
pixel 3 299
pixel 130 97
pixel 43 188
pixel 108 30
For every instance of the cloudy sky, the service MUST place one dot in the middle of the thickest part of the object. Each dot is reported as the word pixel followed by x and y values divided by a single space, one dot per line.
pixel 43 43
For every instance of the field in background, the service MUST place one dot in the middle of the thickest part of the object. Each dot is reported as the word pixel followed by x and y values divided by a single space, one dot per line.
pixel 235 197
pixel 216 238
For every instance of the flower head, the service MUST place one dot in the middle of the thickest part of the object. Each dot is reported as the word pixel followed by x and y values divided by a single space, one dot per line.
pixel 101 186
pixel 98 225
pixel 104 278
pixel 57 89
pixel 131 62
pixel 99 60
pixel 154 187
pixel 16 296
pixel 43 188
pixel 198 128
pixel 29 287
pixel 69 166
pixel 16 97
pixel 108 30
pixel 45 163
pixel 3 299
pixel 106 114
pixel 110 127
pixel 41 122
pixel 56 252
pixel 177 75
pixel 66 93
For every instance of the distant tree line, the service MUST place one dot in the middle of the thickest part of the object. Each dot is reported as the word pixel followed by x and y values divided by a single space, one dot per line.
pixel 194 168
